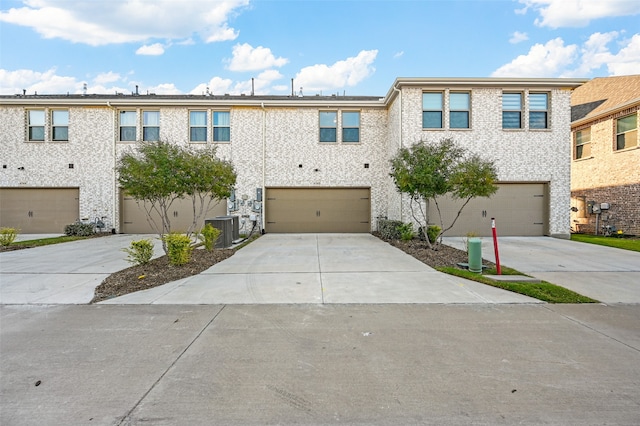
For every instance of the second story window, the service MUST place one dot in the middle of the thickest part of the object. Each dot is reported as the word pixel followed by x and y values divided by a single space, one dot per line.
pixel 538 111
pixel 627 132
pixel 151 125
pixel 60 125
pixel 221 126
pixel 328 126
pixel 350 127
pixel 198 126
pixel 432 110
pixel 583 143
pixel 127 126
pixel 36 125
pixel 459 110
pixel 512 111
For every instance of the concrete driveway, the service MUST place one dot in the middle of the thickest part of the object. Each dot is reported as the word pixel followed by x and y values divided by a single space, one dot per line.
pixel 321 268
pixel 607 274
pixel 276 268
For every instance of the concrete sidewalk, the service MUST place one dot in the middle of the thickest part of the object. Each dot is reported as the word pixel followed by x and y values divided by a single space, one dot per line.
pixel 607 274
pixel 321 268
pixel 392 364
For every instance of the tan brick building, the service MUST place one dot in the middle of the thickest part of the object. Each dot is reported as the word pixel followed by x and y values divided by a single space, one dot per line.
pixel 605 171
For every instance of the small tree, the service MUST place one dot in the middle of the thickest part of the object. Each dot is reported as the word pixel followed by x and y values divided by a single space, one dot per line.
pixel 159 173
pixel 426 171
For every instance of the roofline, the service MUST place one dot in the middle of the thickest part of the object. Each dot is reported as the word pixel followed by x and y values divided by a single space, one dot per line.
pixel 606 112
pixel 472 82
pixel 124 101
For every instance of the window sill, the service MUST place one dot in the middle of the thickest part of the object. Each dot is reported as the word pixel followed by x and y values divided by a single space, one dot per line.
pixel 583 159
pixel 626 149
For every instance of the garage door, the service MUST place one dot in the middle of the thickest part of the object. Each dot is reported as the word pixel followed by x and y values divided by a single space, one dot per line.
pixel 133 217
pixel 39 210
pixel 520 209
pixel 318 210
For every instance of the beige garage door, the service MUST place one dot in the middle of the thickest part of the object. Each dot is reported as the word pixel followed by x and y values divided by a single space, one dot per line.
pixel 520 209
pixel 317 210
pixel 39 210
pixel 133 217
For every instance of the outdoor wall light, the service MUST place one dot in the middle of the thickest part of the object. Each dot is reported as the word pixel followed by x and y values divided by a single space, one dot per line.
pixel 21 168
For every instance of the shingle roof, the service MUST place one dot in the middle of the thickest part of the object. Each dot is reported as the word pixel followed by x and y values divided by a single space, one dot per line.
pixel 603 94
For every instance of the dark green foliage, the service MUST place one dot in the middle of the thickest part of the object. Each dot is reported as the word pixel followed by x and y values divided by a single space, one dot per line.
pixel 178 248
pixel 389 229
pixel 140 252
pixel 79 229
pixel 209 236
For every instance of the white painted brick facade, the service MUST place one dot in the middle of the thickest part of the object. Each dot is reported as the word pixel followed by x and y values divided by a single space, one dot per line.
pixel 270 142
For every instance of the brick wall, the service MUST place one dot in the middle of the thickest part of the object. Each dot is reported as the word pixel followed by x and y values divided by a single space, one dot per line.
pixel 624 210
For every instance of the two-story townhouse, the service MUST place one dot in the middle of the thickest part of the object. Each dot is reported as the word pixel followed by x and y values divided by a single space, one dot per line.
pixel 304 164
pixel 605 171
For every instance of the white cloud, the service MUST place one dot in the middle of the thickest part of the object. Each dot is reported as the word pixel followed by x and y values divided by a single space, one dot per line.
pixel 349 72
pixel 577 13
pixel 399 54
pixel 248 58
pixel 110 22
pixel 518 37
pixel 107 77
pixel 164 89
pixel 546 60
pixel 627 60
pixel 155 49
pixel 554 59
pixel 215 86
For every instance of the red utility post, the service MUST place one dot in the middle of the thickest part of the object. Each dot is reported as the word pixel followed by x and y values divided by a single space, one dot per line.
pixel 495 245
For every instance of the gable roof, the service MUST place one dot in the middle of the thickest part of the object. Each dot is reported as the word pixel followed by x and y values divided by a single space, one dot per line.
pixel 604 94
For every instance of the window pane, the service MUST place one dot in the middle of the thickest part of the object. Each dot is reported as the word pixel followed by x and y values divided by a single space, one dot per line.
pixel 328 135
pixel 221 134
pixel 61 133
pixel 151 134
pixel 328 119
pixel 459 119
pixel 583 136
pixel 432 101
pixel 198 118
pixel 351 135
pixel 511 101
pixel 350 119
pixel 432 120
pixel 510 120
pixel 538 101
pixel 36 133
pixel 151 118
pixel 459 101
pixel 36 118
pixel 627 140
pixel 537 120
pixel 127 118
pixel 221 118
pixel 198 134
pixel 60 118
pixel 627 123
pixel 127 133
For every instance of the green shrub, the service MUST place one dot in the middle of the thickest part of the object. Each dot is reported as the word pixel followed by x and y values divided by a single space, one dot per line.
pixel 388 229
pixel 7 236
pixel 432 232
pixel 178 248
pixel 406 231
pixel 140 252
pixel 209 235
pixel 79 229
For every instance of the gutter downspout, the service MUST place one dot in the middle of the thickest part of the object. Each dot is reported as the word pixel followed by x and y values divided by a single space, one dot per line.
pixel 264 164
pixel 400 144
pixel 114 180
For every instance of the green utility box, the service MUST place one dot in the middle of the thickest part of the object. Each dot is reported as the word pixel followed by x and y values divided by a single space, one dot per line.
pixel 475 254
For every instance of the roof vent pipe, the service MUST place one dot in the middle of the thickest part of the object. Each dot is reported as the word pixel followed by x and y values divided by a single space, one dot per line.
pixel 252 87
pixel 137 90
pixel 292 91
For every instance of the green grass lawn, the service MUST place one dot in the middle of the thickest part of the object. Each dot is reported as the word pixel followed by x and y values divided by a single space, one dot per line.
pixel 47 241
pixel 544 291
pixel 622 243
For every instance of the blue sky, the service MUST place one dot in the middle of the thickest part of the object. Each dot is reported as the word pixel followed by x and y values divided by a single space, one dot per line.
pixel 353 47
